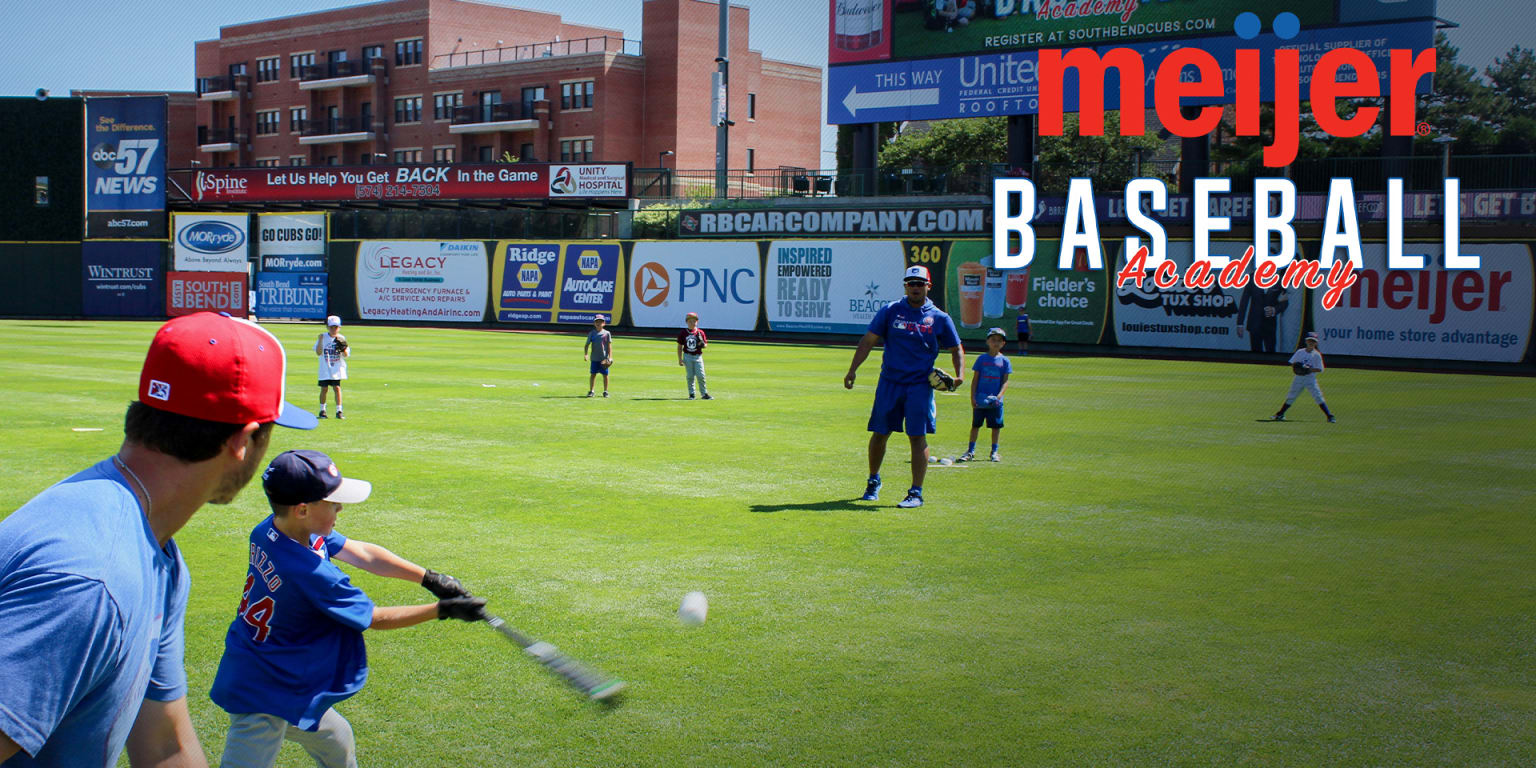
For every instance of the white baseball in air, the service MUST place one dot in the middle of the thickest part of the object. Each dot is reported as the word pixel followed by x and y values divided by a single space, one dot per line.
pixel 694 610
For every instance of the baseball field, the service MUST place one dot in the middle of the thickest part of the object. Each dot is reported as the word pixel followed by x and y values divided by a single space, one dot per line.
pixel 1151 576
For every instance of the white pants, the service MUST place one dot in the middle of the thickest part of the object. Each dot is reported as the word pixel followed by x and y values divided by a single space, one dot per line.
pixel 694 365
pixel 1307 382
pixel 255 739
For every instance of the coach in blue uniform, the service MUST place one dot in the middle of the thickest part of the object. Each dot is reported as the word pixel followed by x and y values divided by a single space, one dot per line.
pixel 914 330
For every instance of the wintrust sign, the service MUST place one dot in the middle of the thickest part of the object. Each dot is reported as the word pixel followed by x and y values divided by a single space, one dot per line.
pixel 721 281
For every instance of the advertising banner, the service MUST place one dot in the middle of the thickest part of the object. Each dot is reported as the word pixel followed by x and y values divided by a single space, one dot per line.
pixel 125 167
pixel 967 220
pixel 291 242
pixel 1066 306
pixel 525 181
pixel 211 242
pixel 295 295
pixel 1435 313
pixel 122 279
pixel 830 286
pixel 188 292
pixel 721 281
pixel 551 282
pixel 421 280
pixel 1239 319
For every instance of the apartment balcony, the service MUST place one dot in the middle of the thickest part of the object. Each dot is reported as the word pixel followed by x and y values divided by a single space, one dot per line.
pixel 340 130
pixel 492 118
pixel 215 141
pixel 532 52
pixel 215 89
pixel 336 74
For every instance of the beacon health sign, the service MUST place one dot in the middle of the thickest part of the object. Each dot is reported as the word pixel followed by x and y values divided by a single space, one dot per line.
pixel 830 286
pixel 1435 313
pixel 419 280
pixel 721 281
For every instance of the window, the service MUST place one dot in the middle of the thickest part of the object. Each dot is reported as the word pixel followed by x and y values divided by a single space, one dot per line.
pixel 443 154
pixel 267 122
pixel 487 153
pixel 297 159
pixel 751 106
pixel 407 52
pixel 371 52
pixel 337 56
pixel 525 153
pixel 236 69
pixel 408 110
pixel 331 160
pixel 576 95
pixel 267 70
pixel 443 105
pixel 365 123
pixel 266 162
pixel 576 150
pixel 296 118
pixel 751 160
pixel 530 95
pixel 407 156
pixel 297 62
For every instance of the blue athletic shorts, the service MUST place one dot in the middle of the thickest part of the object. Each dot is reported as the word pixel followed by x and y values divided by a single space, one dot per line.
pixel 598 367
pixel 992 417
pixel 896 404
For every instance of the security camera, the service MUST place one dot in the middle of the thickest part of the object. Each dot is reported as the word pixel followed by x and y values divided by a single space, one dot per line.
pixel 42 94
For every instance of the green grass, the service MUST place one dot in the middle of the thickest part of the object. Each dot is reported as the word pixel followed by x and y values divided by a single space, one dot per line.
pixel 1151 577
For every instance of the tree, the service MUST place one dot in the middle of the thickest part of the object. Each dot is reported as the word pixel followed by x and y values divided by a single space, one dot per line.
pixel 1461 105
pixel 949 144
pixel 1110 160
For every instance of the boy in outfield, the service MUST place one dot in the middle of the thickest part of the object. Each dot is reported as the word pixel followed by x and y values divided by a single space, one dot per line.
pixel 333 352
pixel 992 371
pixel 600 344
pixel 1306 363
pixel 296 645
pixel 690 353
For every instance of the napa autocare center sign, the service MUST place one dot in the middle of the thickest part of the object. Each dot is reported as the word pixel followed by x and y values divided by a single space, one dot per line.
pixel 125 167
pixel 830 286
pixel 524 181
pixel 964 220
pixel 557 282
pixel 1434 313
pixel 188 292
pixel 1207 318
pixel 719 280
pixel 291 242
pixel 211 242
pixel 421 280
pixel 297 295
pixel 1063 305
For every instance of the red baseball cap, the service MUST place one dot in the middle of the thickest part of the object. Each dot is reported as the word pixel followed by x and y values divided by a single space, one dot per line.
pixel 219 368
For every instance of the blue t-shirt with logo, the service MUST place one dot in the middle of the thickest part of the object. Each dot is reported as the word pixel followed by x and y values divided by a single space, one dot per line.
pixel 990 370
pixel 913 337
pixel 91 613
pixel 602 343
pixel 296 645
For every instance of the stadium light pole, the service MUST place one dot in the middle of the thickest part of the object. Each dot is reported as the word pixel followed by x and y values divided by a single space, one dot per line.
pixel 723 92
pixel 1445 143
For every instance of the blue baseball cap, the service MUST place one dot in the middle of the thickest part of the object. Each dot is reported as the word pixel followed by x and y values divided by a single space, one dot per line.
pixel 302 477
pixel 994 331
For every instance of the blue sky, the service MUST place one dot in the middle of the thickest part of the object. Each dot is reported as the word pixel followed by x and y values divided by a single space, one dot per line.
pixel 147 45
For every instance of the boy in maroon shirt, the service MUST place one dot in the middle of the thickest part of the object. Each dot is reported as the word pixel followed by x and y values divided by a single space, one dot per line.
pixel 690 353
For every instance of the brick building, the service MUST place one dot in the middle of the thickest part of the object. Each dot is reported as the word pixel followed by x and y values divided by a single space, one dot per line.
pixel 459 81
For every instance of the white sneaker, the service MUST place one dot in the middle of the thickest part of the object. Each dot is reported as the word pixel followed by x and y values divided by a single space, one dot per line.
pixel 996 457
pixel 967 456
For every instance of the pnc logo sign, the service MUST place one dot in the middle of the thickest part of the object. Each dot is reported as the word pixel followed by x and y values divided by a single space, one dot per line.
pixel 652 284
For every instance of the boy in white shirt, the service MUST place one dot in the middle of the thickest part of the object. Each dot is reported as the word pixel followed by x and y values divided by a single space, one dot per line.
pixel 333 351
pixel 1307 363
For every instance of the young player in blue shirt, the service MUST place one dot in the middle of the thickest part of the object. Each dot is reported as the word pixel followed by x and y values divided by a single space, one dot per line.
pixel 296 646
pixel 914 331
pixel 600 344
pixel 992 371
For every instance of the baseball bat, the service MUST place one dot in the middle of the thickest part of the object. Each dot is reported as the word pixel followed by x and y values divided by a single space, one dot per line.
pixel 594 685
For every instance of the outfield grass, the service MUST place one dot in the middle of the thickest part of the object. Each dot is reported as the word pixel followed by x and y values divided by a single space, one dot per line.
pixel 1150 577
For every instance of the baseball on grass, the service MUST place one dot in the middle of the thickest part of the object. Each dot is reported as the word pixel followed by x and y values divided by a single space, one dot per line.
pixel 694 610
pixel 946 461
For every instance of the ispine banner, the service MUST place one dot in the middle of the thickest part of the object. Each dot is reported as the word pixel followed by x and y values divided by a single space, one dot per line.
pixel 122 279
pixel 1435 313
pixel 291 242
pixel 125 167
pixel 188 292
pixel 421 280
pixel 295 295
pixel 1238 319
pixel 525 181
pixel 830 286
pixel 554 282
pixel 211 242
pixel 1061 305
pixel 720 281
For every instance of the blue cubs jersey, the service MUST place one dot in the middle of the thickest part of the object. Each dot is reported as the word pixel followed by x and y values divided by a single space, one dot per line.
pixel 296 645
pixel 913 337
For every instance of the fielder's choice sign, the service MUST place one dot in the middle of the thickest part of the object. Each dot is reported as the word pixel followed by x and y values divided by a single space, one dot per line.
pixel 211 242
pixel 122 279
pixel 1436 313
pixel 830 286
pixel 720 281
pixel 291 242
pixel 1213 318
pixel 188 292
pixel 536 181
pixel 125 167
pixel 291 295
pixel 1064 305
pixel 970 220
pixel 421 280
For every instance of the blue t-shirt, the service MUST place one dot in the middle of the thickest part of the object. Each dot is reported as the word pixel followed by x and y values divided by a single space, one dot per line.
pixel 602 343
pixel 990 371
pixel 296 645
pixel 913 337
pixel 91 613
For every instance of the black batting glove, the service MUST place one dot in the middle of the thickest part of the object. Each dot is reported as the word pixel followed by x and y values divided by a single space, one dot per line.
pixel 442 586
pixel 461 608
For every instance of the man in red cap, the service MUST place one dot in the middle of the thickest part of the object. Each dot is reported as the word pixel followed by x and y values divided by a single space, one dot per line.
pixel 93 589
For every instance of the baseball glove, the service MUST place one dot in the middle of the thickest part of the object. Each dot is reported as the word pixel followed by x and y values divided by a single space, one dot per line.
pixel 341 345
pixel 607 361
pixel 1300 369
pixel 941 381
